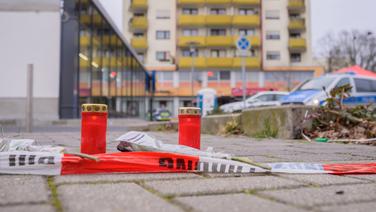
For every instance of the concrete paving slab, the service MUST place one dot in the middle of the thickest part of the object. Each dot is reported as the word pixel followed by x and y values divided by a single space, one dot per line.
pixel 23 189
pixel 111 197
pixel 220 185
pixel 358 207
pixel 28 208
pixel 322 179
pixel 368 177
pixel 234 203
pixel 121 177
pixel 325 195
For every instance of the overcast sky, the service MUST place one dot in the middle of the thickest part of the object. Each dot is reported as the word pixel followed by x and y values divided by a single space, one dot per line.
pixel 327 15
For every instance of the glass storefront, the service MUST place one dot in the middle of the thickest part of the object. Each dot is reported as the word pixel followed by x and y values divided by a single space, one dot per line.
pixel 108 71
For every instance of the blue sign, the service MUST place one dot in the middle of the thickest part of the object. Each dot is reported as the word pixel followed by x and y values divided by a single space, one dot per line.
pixel 243 43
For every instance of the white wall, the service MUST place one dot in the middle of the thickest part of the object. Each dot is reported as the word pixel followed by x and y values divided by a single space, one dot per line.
pixel 29 37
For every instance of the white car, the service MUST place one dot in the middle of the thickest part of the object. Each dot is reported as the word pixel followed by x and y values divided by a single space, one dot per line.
pixel 265 98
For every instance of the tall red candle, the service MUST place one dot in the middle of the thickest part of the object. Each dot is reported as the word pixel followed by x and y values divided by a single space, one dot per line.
pixel 93 128
pixel 189 126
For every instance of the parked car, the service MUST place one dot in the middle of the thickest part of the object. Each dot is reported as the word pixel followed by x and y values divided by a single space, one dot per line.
pixel 314 91
pixel 161 114
pixel 261 99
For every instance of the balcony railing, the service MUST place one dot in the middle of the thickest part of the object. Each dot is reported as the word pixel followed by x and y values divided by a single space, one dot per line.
pixel 219 62
pixel 297 25
pixel 218 1
pixel 218 20
pixel 139 43
pixel 190 2
pixel 296 5
pixel 186 41
pixel 219 41
pixel 139 23
pixel 139 5
pixel 186 62
pixel 246 20
pixel 297 44
pixel 191 20
pixel 250 62
pixel 247 2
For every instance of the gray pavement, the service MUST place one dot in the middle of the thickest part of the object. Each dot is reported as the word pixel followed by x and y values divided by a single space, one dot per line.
pixel 200 192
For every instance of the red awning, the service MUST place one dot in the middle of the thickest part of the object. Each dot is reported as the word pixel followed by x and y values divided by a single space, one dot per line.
pixel 357 70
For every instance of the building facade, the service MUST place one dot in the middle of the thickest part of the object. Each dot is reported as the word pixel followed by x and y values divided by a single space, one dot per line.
pixel 191 45
pixel 79 56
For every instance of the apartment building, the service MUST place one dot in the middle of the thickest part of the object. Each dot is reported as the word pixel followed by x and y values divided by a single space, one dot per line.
pixel 191 45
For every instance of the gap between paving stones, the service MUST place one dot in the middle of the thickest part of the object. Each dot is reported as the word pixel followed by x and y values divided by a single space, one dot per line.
pixel 125 181
pixel 167 198
pixel 55 202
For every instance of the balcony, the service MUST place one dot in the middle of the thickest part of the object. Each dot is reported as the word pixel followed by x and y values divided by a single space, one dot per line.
pixel 218 20
pixel 255 40
pixel 247 2
pixel 185 41
pixel 250 62
pixel 139 23
pixel 297 44
pixel 219 62
pixel 219 41
pixel 246 21
pixel 139 43
pixel 191 20
pixel 296 6
pixel 186 62
pixel 215 2
pixel 190 2
pixel 139 5
pixel 297 25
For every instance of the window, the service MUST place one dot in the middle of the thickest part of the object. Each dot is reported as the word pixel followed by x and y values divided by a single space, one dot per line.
pixel 247 32
pixel 224 75
pixel 164 76
pixel 190 32
pixel 163 35
pixel 273 35
pixel 190 11
pixel 342 82
pixel 139 14
pixel 266 98
pixel 217 11
pixel 189 53
pixel 217 53
pixel 365 85
pixel 295 35
pixel 163 14
pixel 246 11
pixel 272 55
pixel 162 56
pixel 185 76
pixel 218 32
pixel 278 97
pixel 296 57
pixel 219 75
pixel 138 34
pixel 272 14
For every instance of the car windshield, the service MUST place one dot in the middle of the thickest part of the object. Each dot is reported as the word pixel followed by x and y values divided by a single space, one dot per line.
pixel 316 83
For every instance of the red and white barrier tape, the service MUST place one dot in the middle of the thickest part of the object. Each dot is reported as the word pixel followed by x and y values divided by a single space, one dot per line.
pixel 45 163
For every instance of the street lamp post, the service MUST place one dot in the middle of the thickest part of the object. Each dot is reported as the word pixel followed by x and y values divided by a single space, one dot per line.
pixel 192 49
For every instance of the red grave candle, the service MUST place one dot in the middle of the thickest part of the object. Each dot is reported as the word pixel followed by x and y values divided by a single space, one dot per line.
pixel 93 128
pixel 189 126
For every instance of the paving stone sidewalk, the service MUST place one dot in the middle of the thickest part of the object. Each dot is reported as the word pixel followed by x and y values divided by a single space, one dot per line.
pixel 200 192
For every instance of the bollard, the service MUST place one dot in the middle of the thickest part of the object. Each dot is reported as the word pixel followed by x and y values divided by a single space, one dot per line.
pixel 93 128
pixel 29 99
pixel 189 126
